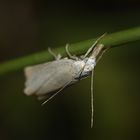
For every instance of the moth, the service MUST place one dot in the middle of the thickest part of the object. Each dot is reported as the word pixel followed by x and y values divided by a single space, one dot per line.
pixel 48 79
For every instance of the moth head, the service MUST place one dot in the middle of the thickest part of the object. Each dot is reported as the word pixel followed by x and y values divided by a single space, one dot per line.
pixel 89 66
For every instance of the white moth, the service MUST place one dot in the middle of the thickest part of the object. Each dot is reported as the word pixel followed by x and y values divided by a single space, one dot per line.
pixel 48 79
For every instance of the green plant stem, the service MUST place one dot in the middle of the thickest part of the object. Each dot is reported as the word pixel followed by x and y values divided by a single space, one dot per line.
pixel 110 40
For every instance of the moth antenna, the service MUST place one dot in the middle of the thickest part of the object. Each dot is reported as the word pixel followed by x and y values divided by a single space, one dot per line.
pixel 92 100
pixel 93 45
pixel 55 94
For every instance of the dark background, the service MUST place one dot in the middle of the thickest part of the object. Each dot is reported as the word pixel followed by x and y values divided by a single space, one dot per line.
pixel 29 26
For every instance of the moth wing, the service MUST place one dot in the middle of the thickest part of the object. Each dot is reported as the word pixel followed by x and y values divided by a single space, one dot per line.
pixel 32 70
pixel 31 73
pixel 57 77
pixel 43 79
pixel 54 88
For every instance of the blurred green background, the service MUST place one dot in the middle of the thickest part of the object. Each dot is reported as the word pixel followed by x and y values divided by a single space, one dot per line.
pixel 29 26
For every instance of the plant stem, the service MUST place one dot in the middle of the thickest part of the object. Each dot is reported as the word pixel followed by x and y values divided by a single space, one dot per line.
pixel 110 40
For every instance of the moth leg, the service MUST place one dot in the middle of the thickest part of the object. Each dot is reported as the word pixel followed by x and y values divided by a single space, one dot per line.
pixel 57 57
pixel 93 45
pixel 92 99
pixel 56 93
pixel 69 54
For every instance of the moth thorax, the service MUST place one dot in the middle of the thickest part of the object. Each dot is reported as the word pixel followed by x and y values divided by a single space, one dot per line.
pixel 89 65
